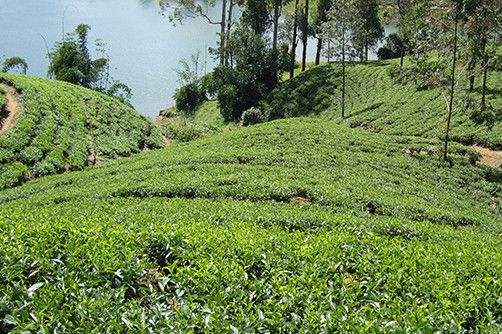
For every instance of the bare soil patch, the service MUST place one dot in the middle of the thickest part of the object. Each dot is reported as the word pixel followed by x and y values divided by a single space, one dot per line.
pixel 489 157
pixel 166 141
pixel 300 201
pixel 12 109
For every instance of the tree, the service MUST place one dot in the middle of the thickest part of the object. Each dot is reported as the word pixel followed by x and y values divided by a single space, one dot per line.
pixel 70 61
pixel 320 17
pixel 294 41
pixel 16 64
pixel 181 9
pixel 484 26
pixel 456 17
pixel 367 34
pixel 256 16
pixel 403 7
pixel 342 20
pixel 192 92
pixel 255 74
pixel 305 34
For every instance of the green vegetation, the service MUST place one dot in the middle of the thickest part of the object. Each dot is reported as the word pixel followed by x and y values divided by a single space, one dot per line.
pixel 206 121
pixel 71 61
pixel 14 64
pixel 202 237
pixel 3 101
pixel 381 103
pixel 64 127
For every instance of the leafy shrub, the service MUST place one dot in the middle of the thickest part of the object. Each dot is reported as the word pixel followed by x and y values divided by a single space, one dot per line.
pixel 392 47
pixel 253 116
pixel 184 130
pixel 190 97
pixel 12 174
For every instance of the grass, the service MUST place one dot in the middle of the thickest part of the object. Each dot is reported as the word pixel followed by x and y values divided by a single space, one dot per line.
pixel 377 102
pixel 207 121
pixel 64 127
pixel 202 237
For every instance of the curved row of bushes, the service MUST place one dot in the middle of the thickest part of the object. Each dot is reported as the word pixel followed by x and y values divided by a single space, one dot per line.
pixel 63 127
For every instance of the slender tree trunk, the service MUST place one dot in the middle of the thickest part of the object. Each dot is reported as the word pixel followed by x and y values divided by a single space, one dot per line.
pixel 403 51
pixel 472 77
pixel 452 89
pixel 401 18
pixel 277 14
pixel 485 80
pixel 318 52
pixel 222 31
pixel 329 51
pixel 305 36
pixel 366 51
pixel 295 36
pixel 343 75
pixel 228 32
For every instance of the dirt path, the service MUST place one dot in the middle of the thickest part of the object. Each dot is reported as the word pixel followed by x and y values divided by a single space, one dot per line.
pixel 489 157
pixel 13 107
pixel 166 141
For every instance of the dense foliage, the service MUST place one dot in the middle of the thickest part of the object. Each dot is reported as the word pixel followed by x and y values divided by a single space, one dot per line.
pixel 208 237
pixel 255 74
pixel 392 47
pixel 71 61
pixel 190 97
pixel 14 64
pixel 3 101
pixel 64 127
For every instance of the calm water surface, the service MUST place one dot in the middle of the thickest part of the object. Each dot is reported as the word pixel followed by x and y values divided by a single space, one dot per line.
pixel 143 46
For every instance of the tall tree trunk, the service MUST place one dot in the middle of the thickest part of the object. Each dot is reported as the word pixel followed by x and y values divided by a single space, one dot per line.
pixel 228 32
pixel 401 19
pixel 485 80
pixel 318 52
pixel 305 35
pixel 366 51
pixel 452 89
pixel 277 14
pixel 343 75
pixel 472 76
pixel 329 50
pixel 295 36
pixel 403 51
pixel 222 31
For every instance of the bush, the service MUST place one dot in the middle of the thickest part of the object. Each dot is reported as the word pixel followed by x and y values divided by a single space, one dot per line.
pixel 189 98
pixel 385 53
pixel 254 116
pixel 392 48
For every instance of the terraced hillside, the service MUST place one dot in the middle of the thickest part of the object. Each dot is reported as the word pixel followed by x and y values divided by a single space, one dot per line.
pixel 292 226
pixel 50 127
pixel 377 102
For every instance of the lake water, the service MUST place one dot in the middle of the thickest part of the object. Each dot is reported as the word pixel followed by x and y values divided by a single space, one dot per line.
pixel 143 46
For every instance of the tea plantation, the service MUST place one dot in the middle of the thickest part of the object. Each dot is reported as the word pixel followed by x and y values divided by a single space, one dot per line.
pixel 379 102
pixel 292 226
pixel 63 127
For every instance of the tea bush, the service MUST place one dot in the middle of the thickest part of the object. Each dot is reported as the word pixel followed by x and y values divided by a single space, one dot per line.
pixel 64 127
pixel 293 226
pixel 378 102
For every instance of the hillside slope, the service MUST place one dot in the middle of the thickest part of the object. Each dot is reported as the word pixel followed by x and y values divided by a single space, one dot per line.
pixel 292 226
pixel 377 102
pixel 55 127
